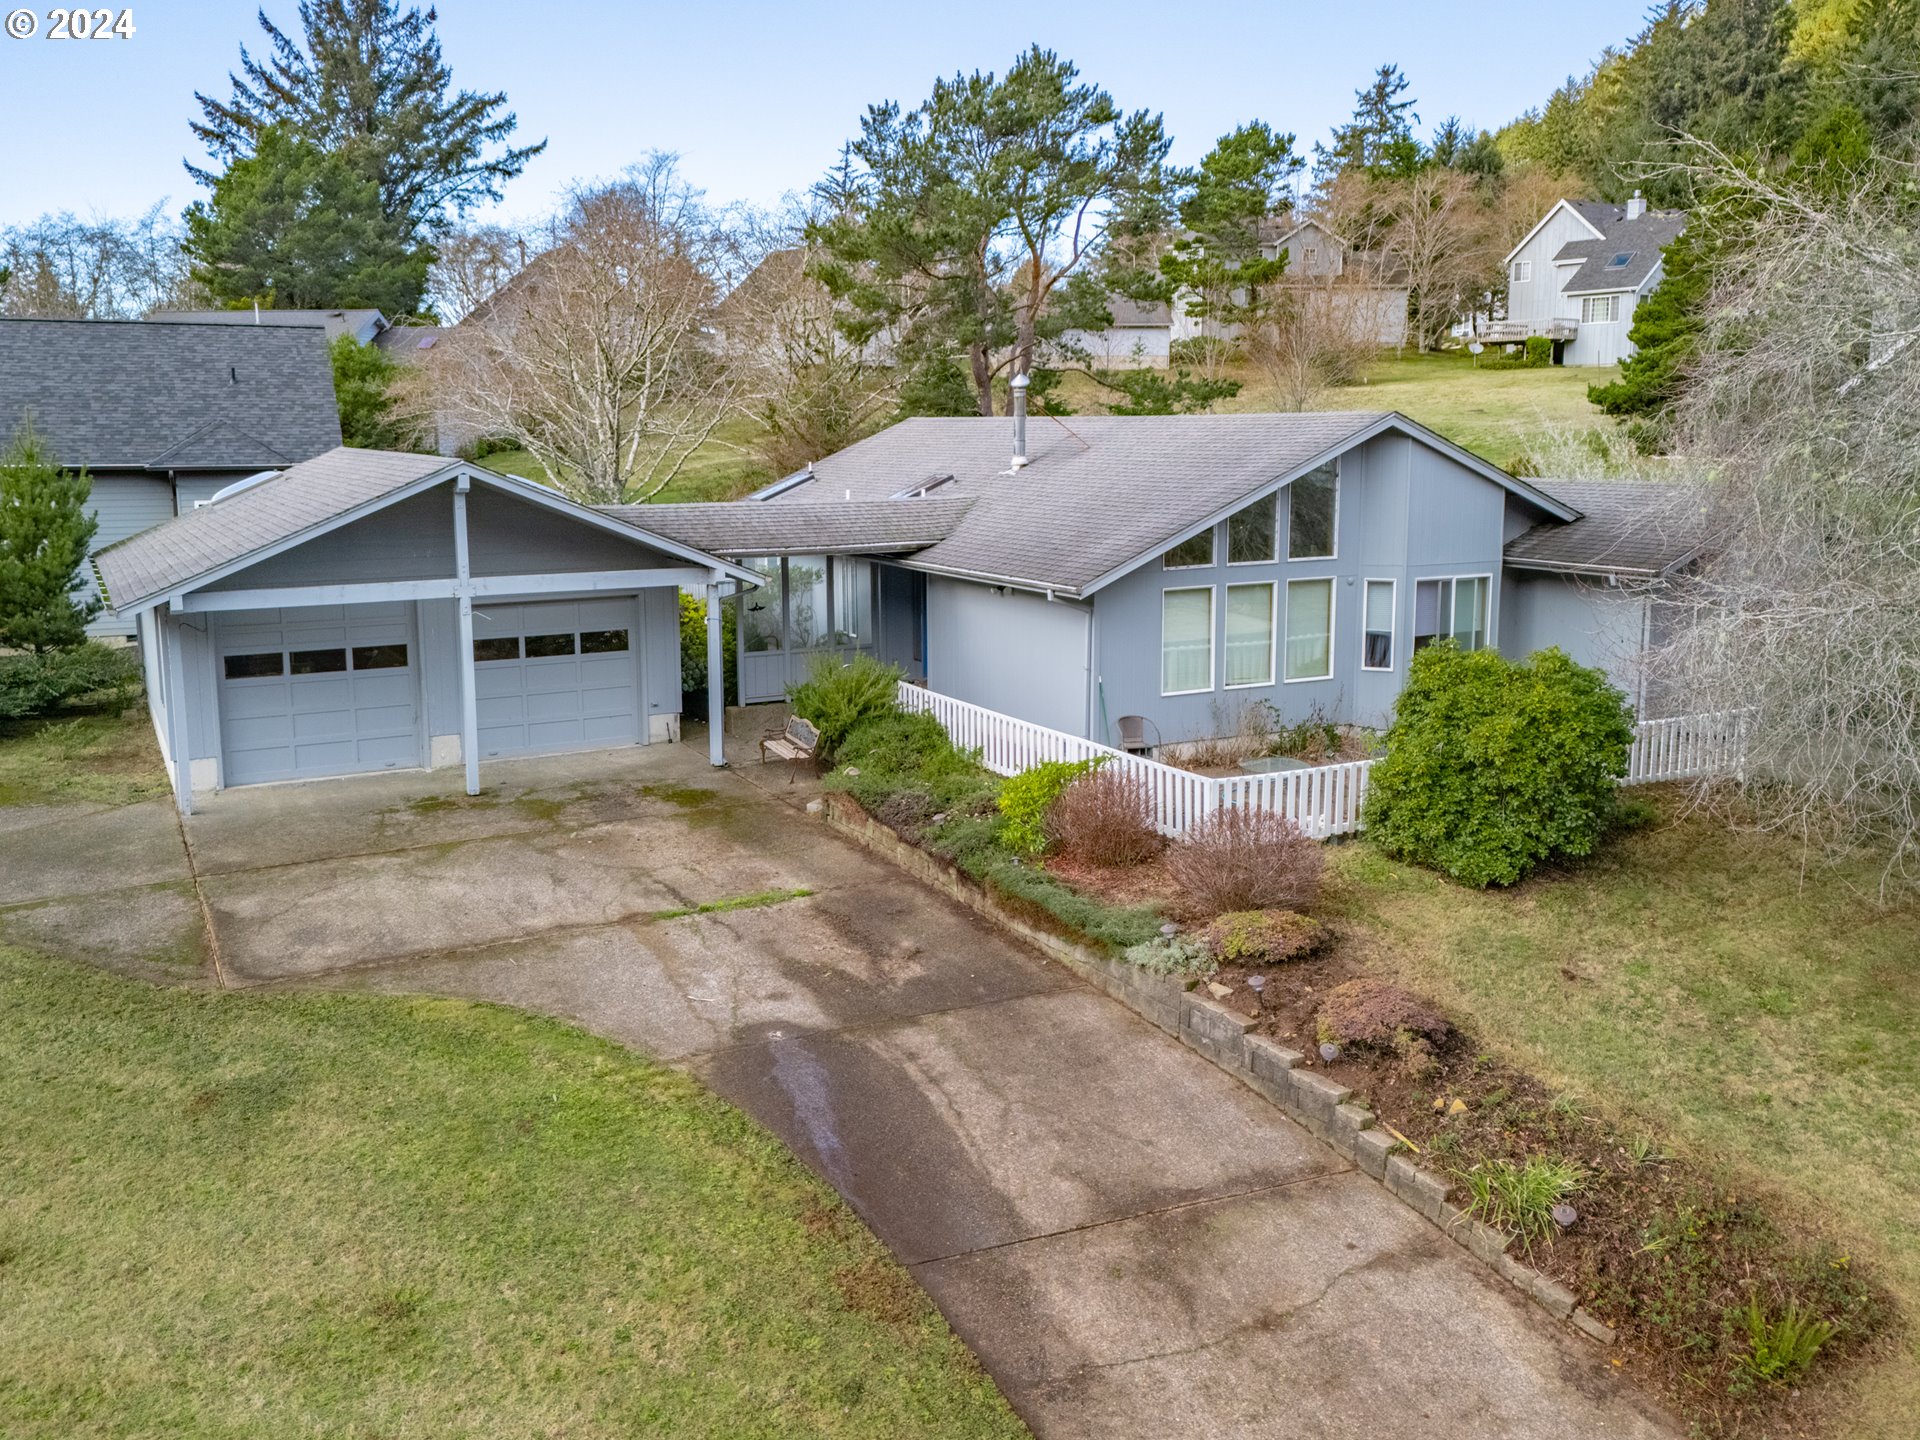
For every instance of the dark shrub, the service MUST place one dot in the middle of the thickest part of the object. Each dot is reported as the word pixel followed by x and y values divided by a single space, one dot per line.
pixel 1263 937
pixel 93 674
pixel 836 698
pixel 1494 765
pixel 905 812
pixel 1105 818
pixel 1247 860
pixel 900 751
pixel 1372 1012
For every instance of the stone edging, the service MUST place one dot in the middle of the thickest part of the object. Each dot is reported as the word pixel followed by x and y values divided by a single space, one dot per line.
pixel 1320 1104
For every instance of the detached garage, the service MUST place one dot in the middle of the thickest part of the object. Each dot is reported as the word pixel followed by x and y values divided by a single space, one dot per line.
pixel 370 610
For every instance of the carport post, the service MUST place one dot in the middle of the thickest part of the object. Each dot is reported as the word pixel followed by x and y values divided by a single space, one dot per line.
pixel 463 583
pixel 716 678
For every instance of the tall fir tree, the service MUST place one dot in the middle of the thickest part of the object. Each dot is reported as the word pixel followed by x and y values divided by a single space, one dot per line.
pixel 45 537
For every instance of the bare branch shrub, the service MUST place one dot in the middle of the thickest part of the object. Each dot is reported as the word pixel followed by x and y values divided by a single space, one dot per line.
pixel 1105 818
pixel 1803 411
pixel 1247 860
pixel 593 358
pixel 1319 334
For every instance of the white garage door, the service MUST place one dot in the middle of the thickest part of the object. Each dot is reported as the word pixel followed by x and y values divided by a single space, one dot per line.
pixel 329 691
pixel 558 675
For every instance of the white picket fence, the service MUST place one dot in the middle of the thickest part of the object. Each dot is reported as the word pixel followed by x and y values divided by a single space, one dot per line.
pixel 1322 800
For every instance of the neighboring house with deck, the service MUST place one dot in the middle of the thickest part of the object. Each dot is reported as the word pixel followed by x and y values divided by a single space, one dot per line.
pixel 1579 275
pixel 165 416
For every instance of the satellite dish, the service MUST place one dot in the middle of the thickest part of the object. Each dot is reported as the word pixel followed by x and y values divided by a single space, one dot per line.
pixel 1476 348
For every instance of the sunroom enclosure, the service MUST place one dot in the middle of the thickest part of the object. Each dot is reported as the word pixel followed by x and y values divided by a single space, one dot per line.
pixel 809 606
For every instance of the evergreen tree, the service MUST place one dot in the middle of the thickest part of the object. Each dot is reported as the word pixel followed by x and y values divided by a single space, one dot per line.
pixel 1666 331
pixel 297 228
pixel 46 535
pixel 362 387
pixel 1378 141
pixel 365 80
pixel 1217 264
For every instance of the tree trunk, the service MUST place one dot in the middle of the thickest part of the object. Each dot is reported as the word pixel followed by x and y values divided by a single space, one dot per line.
pixel 982 376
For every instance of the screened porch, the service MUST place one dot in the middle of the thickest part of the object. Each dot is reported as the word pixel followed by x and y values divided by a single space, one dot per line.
pixel 811 606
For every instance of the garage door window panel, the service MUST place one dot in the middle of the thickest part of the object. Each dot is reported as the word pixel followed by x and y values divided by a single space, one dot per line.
pixel 496 648
pixel 318 662
pixel 549 647
pixel 379 657
pixel 604 642
pixel 256 667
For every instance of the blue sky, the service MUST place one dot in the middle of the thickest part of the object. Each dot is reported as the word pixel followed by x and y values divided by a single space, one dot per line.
pixel 758 97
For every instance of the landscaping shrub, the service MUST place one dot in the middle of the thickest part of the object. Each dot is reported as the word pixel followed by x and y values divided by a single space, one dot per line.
pixel 1247 860
pixel 1026 798
pixel 1172 955
pixel 1263 937
pixel 1494 765
pixel 898 751
pixel 1105 818
pixel 693 647
pixel 93 673
pixel 836 698
pixel 1372 1012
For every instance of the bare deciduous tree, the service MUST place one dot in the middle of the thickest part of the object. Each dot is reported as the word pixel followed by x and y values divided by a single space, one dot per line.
pixel 1317 333
pixel 471 265
pixel 594 359
pixel 1804 411
pixel 63 267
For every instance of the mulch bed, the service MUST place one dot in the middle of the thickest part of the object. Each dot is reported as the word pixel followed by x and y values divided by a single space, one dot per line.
pixel 1662 1250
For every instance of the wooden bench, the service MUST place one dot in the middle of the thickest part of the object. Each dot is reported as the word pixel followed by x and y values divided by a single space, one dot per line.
pixel 798 742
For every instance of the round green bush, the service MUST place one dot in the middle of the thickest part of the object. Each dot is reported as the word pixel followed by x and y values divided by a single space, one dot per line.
pixel 1494 765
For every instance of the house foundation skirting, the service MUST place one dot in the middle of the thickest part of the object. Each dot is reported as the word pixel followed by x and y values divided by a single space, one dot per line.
pixel 1318 1103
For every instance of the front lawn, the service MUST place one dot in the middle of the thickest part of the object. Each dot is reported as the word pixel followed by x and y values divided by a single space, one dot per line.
pixel 103 757
pixel 240 1215
pixel 1700 983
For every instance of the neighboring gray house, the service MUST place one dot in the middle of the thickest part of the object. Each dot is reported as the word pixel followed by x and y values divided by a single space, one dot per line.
pixel 365 326
pixel 1140 338
pixel 1579 275
pixel 163 416
pixel 1178 569
pixel 1359 287
pixel 369 610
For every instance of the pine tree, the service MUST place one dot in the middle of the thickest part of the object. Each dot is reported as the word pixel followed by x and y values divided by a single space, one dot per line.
pixel 1379 140
pixel 366 80
pixel 1666 331
pixel 45 536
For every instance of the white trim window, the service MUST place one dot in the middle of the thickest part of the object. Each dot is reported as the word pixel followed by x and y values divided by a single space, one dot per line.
pixel 1253 534
pixel 1193 553
pixel 1376 625
pixel 1249 647
pixel 1599 309
pixel 1453 608
pixel 1313 513
pixel 1309 629
pixel 1520 272
pixel 1186 641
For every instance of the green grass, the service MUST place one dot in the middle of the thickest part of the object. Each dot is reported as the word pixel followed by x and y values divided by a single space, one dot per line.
pixel 1497 413
pixel 756 901
pixel 1695 980
pixel 725 468
pixel 234 1215
pixel 102 757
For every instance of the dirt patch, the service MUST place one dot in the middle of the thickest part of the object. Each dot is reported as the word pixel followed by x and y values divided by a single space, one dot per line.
pixel 1148 884
pixel 881 1291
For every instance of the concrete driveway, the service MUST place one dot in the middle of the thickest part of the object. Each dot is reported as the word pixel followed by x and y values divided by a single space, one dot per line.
pixel 1133 1243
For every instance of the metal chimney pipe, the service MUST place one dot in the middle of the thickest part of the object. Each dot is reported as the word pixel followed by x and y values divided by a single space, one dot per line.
pixel 1019 387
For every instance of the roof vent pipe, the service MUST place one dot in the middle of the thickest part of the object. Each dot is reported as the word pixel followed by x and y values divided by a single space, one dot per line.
pixel 1636 207
pixel 1019 387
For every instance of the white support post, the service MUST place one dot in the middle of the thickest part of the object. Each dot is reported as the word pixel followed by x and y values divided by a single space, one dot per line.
pixel 716 679
pixel 469 702
pixel 174 674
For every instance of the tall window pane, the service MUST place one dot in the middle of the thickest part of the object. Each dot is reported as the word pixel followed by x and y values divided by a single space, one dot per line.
pixel 1249 659
pixel 852 601
pixel 1194 551
pixel 1377 642
pixel 1309 629
pixel 1186 641
pixel 1470 613
pixel 1312 501
pixel 1251 533
pixel 1432 606
pixel 760 608
pixel 807 602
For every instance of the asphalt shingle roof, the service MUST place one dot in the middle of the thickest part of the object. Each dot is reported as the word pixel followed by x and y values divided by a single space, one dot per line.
pixel 1100 491
pixel 839 527
pixel 335 322
pixel 125 394
pixel 1641 239
pixel 205 539
pixel 1633 528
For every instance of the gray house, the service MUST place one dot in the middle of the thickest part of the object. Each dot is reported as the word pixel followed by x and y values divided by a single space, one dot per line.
pixel 369 610
pixel 165 416
pixel 1174 569
pixel 1579 275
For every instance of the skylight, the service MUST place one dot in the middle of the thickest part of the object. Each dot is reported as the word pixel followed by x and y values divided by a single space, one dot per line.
pixel 1623 258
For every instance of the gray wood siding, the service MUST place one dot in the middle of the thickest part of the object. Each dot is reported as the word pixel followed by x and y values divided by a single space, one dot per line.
pixel 1592 622
pixel 1539 298
pixel 509 536
pixel 1010 651
pixel 125 504
pixel 411 540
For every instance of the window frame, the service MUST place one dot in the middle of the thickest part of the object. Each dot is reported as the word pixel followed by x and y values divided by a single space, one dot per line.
pixel 1272 497
pixel 1213 621
pixel 1587 303
pixel 1520 273
pixel 1213 549
pixel 1393 625
pixel 1333 629
pixel 1333 529
pixel 1452 584
pixel 1273 633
